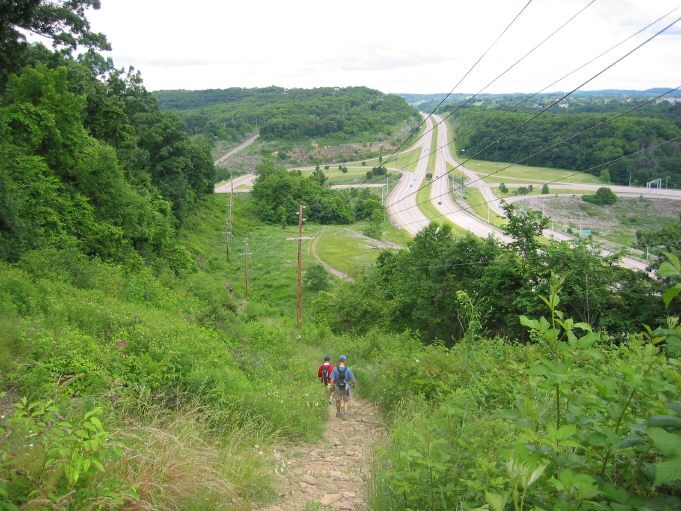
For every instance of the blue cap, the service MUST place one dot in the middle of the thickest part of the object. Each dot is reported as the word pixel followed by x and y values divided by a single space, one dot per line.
pixel 327 357
pixel 342 358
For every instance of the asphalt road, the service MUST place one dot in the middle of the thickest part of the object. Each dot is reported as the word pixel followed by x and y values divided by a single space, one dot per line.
pixel 405 213
pixel 222 159
pixel 401 203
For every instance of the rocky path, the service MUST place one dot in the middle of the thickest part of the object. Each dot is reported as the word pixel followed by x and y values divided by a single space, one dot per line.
pixel 333 473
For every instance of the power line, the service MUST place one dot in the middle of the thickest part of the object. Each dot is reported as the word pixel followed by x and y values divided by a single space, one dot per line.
pixel 572 137
pixel 527 54
pixel 496 40
pixel 525 123
pixel 425 119
pixel 594 167
pixel 384 163
pixel 596 57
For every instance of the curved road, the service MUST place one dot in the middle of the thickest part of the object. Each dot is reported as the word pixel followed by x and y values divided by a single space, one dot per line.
pixel 222 159
pixel 401 204
pixel 442 198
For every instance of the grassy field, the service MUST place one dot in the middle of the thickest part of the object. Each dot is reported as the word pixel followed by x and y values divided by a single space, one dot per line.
pixel 537 191
pixel 406 160
pixel 617 223
pixel 342 247
pixel 516 173
pixel 525 173
pixel 480 207
pixel 345 248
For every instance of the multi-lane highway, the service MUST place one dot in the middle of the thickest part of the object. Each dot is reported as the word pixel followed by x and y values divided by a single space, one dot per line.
pixel 401 204
pixel 405 213
pixel 403 198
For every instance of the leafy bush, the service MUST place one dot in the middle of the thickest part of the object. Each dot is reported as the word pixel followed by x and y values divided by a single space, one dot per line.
pixel 569 422
pixel 316 278
pixel 278 195
pixel 53 457
pixel 603 196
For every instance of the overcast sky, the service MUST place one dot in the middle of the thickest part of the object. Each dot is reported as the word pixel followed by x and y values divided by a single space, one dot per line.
pixel 393 46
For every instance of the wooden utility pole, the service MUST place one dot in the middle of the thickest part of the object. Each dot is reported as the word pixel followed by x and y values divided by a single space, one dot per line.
pixel 228 220
pixel 300 267
pixel 300 239
pixel 246 254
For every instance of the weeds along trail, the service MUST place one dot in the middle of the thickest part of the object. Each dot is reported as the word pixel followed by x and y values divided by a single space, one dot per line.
pixel 333 271
pixel 334 472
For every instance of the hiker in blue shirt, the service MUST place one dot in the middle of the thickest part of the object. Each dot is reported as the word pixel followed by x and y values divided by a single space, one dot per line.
pixel 342 378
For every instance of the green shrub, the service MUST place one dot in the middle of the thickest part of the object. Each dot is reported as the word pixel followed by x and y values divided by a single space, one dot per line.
pixel 316 278
pixel 569 422
pixel 59 459
pixel 603 196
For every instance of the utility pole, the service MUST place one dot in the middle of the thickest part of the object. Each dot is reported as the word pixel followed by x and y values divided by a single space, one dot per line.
pixel 300 239
pixel 300 268
pixel 246 254
pixel 228 220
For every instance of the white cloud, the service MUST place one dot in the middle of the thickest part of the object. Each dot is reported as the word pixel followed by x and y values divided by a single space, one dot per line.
pixel 395 46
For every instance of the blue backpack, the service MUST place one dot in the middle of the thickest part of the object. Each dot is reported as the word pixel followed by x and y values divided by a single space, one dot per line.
pixel 341 382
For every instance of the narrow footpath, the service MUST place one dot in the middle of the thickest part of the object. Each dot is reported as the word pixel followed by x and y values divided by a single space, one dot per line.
pixel 333 473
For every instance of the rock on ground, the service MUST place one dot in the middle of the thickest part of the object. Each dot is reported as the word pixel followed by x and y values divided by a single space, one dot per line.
pixel 335 472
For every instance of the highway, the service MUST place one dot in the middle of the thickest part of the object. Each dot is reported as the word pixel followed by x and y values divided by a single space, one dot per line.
pixel 403 199
pixel 405 213
pixel 401 203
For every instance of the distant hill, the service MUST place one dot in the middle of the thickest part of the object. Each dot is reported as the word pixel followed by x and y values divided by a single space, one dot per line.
pixel 190 99
pixel 417 98
pixel 341 113
pixel 587 100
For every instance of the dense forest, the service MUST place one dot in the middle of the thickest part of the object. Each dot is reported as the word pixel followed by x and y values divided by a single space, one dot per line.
pixel 628 137
pixel 142 368
pixel 634 148
pixel 597 101
pixel 87 158
pixel 343 114
pixel 277 192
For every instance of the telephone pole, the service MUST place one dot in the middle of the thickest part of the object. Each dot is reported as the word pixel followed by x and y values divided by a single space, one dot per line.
pixel 300 239
pixel 228 220
pixel 246 254
pixel 300 268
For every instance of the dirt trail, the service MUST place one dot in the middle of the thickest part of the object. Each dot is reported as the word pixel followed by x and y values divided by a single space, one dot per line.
pixel 334 472
pixel 333 271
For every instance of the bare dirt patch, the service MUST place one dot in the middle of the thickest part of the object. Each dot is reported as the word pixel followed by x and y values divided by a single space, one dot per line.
pixel 620 220
pixel 334 473
pixel 374 243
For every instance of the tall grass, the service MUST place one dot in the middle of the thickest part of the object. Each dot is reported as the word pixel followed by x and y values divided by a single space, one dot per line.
pixel 175 460
pixel 196 383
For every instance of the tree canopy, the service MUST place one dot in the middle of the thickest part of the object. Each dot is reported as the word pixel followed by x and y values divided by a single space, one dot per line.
pixel 287 114
pixel 87 159
pixel 608 144
pixel 62 22
pixel 433 285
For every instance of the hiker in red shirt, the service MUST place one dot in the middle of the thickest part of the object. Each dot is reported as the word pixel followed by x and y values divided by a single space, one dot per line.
pixel 324 375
